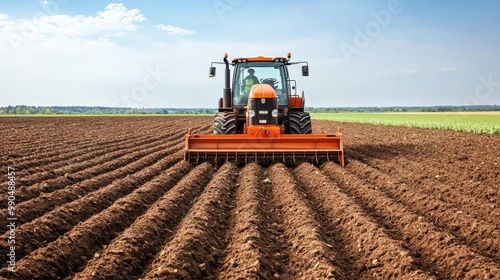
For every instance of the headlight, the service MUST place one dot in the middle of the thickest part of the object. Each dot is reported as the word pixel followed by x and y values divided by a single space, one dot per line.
pixel 251 113
pixel 274 113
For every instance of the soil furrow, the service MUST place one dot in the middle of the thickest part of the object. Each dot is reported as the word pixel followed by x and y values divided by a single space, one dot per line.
pixel 28 210
pixel 130 252
pixel 254 251
pixel 440 251
pixel 50 226
pixel 406 172
pixel 428 172
pixel 482 236
pixel 79 160
pixel 30 163
pixel 66 168
pixel 198 242
pixel 98 168
pixel 39 130
pixel 310 253
pixel 373 253
pixel 112 149
pixel 68 254
pixel 69 163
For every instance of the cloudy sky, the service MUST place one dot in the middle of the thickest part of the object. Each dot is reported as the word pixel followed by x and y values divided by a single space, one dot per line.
pixel 157 53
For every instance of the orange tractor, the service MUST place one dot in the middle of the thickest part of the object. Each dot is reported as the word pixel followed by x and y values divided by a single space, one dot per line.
pixel 263 119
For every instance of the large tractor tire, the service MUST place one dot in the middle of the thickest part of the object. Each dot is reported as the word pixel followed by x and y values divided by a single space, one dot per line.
pixel 225 123
pixel 300 123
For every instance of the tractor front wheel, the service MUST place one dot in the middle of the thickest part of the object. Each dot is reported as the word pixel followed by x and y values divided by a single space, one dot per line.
pixel 300 123
pixel 225 123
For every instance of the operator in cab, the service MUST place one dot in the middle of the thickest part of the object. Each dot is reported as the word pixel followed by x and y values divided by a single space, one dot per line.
pixel 250 80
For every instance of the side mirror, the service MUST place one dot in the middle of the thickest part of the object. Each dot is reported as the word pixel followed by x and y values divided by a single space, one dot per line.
pixel 305 70
pixel 211 71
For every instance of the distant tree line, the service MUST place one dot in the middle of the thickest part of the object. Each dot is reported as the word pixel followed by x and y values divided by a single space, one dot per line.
pixel 89 110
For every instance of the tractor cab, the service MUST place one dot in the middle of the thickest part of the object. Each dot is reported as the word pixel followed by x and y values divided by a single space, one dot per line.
pixel 272 71
pixel 248 74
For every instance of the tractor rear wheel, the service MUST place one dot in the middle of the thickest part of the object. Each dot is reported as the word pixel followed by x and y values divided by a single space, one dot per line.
pixel 225 123
pixel 300 123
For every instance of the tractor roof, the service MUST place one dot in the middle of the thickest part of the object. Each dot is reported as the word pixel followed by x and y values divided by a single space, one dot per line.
pixel 259 59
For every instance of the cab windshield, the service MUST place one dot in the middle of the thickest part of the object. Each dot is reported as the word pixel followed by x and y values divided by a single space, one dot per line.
pixel 250 73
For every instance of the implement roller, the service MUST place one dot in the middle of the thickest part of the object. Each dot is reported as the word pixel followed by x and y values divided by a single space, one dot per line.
pixel 262 120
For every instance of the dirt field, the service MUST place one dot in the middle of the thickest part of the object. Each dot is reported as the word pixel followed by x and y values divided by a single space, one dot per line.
pixel 111 198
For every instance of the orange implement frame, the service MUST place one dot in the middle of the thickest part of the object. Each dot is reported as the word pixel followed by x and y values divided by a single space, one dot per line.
pixel 244 147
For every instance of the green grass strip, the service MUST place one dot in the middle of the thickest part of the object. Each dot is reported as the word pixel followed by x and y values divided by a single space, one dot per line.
pixel 471 122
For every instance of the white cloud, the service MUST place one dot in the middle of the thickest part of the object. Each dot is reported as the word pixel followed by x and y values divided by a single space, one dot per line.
pixel 383 73
pixel 118 17
pixel 174 30
pixel 5 20
pixel 415 71
pixel 115 18
pixel 444 69
pixel 433 69
pixel 412 71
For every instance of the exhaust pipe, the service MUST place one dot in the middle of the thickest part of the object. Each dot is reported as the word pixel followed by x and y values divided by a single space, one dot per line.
pixel 226 92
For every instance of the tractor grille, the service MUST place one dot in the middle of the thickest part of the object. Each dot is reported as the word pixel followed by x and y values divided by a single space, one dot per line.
pixel 262 108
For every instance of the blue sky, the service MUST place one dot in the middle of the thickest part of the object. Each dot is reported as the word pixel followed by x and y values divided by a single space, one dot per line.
pixel 157 53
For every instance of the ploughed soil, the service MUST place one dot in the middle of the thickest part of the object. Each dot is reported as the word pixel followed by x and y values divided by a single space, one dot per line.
pixel 112 198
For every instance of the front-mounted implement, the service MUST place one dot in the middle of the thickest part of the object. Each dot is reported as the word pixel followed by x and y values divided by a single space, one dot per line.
pixel 262 119
pixel 284 148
